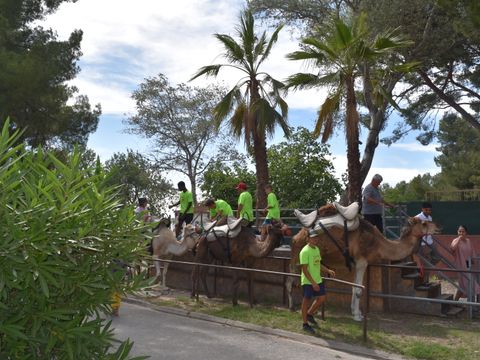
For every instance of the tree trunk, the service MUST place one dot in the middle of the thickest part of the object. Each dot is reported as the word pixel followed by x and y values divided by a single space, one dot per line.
pixel 353 153
pixel 194 189
pixel 261 166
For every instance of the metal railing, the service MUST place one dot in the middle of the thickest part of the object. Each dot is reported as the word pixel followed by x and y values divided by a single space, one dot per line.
pixel 279 273
pixel 470 304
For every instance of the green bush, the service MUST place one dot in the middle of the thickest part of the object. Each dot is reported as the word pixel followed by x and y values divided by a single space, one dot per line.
pixel 61 231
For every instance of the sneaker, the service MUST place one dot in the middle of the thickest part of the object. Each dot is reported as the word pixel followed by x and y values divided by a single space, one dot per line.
pixel 307 328
pixel 312 320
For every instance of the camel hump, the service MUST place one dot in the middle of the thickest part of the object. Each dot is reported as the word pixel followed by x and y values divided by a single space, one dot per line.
pixel 349 212
pixel 306 220
pixel 230 230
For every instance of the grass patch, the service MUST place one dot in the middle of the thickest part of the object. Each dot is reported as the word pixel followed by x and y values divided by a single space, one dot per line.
pixel 414 336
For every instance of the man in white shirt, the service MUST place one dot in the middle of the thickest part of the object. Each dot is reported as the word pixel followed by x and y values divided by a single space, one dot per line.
pixel 427 248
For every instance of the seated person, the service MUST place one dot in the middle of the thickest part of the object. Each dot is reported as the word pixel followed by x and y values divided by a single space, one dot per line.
pixel 219 210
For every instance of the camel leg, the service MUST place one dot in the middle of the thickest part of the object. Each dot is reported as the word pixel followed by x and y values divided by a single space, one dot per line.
pixel 235 284
pixel 289 283
pixel 158 269
pixel 164 276
pixel 360 267
pixel 251 292
pixel 194 281
pixel 203 277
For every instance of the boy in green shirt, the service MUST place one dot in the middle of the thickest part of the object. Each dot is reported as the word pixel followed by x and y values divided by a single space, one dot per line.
pixel 312 282
pixel 219 209
pixel 245 207
pixel 273 207
pixel 185 214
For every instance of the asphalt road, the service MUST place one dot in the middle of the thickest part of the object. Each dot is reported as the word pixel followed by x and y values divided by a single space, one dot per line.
pixel 167 336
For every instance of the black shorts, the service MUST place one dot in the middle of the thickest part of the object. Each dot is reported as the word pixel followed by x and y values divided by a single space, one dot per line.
pixel 184 218
pixel 308 291
pixel 375 219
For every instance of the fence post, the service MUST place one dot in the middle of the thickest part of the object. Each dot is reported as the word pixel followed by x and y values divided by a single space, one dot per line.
pixel 367 304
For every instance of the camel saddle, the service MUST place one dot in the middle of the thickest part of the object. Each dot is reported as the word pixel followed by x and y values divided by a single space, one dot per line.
pixel 348 214
pixel 229 230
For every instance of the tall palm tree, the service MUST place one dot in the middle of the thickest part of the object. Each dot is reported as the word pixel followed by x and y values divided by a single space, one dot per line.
pixel 254 106
pixel 339 56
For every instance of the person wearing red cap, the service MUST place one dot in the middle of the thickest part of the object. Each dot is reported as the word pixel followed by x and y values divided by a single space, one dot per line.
pixel 245 204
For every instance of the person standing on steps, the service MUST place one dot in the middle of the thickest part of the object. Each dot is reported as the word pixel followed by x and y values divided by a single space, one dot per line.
pixel 373 203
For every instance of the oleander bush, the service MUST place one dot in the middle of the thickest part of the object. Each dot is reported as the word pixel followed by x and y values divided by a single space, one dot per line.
pixel 64 240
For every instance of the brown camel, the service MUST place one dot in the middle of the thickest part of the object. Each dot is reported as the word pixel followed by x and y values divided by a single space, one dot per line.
pixel 166 246
pixel 244 249
pixel 367 245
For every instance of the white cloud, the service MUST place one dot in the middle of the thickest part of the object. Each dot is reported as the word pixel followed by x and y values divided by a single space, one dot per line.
pixel 141 39
pixel 416 147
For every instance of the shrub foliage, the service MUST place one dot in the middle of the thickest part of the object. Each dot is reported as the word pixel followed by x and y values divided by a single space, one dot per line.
pixel 62 232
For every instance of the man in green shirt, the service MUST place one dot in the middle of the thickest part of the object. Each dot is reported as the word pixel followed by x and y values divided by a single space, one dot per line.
pixel 185 214
pixel 273 207
pixel 245 207
pixel 312 282
pixel 219 209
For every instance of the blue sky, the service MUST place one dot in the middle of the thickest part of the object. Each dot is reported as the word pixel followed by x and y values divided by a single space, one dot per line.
pixel 125 42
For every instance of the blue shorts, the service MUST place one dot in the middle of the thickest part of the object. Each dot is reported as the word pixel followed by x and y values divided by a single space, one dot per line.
pixel 267 221
pixel 308 291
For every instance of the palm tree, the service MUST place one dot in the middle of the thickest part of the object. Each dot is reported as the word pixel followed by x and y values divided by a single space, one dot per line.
pixel 339 56
pixel 254 106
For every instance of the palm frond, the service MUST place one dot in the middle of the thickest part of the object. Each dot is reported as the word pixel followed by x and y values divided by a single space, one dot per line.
pixel 330 106
pixel 343 34
pixel 237 120
pixel 209 70
pixel 271 42
pixel 309 81
pixel 246 31
pixel 324 47
pixel 233 51
pixel 225 106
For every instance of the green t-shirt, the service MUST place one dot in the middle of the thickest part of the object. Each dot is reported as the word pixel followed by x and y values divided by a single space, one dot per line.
pixel 273 207
pixel 186 197
pixel 223 207
pixel 311 256
pixel 245 199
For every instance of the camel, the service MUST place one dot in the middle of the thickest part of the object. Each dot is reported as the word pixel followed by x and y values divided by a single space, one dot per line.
pixel 367 245
pixel 244 249
pixel 166 246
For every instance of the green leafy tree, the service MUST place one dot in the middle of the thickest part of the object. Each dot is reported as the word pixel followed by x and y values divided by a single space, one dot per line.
pixel 414 190
pixel 221 178
pixel 34 71
pixel 179 120
pixel 61 230
pixel 448 54
pixel 137 177
pixel 339 55
pixel 252 105
pixel 460 152
pixel 301 173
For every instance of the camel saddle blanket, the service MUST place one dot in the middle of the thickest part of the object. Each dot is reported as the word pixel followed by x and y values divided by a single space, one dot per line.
pixel 230 230
pixel 345 213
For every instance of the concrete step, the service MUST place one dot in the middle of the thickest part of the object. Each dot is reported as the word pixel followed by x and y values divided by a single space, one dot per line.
pixel 445 308
pixel 430 290
pixel 411 276
pixel 454 310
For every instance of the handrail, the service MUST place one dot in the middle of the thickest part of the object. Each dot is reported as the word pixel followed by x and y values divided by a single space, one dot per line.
pixel 251 270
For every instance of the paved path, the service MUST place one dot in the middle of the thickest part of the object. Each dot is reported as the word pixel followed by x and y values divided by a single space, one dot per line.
pixel 165 335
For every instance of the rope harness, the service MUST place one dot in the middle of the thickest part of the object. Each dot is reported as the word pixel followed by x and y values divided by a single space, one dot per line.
pixel 345 251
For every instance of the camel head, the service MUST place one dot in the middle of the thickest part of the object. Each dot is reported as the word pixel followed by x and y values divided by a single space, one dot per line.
pixel 276 230
pixel 419 228
pixel 190 235
pixel 159 223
